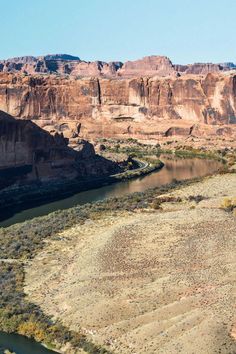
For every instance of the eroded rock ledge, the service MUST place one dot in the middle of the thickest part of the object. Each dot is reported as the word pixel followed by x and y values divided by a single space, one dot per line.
pixel 29 154
pixel 143 108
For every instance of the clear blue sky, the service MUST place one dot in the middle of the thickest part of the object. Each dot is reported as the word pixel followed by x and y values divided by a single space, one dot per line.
pixel 184 30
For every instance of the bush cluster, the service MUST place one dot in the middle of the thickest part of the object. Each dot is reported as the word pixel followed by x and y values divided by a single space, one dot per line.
pixel 229 204
pixel 19 315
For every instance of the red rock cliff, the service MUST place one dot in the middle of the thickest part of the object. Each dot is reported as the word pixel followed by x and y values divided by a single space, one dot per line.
pixel 138 107
pixel 64 64
pixel 28 153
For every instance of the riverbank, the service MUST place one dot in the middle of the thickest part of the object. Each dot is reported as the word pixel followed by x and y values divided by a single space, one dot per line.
pixel 15 199
pixel 175 169
pixel 21 242
pixel 206 148
pixel 24 241
pixel 153 280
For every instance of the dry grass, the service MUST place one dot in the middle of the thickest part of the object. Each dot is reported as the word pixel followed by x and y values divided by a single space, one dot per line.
pixel 147 283
pixel 229 204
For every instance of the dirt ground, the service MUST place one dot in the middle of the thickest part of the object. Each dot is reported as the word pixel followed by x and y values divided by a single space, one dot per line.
pixel 160 281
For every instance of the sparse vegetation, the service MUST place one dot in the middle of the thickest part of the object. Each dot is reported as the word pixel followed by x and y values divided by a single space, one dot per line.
pixel 156 204
pixel 138 149
pixel 196 198
pixel 20 316
pixel 21 242
pixel 229 204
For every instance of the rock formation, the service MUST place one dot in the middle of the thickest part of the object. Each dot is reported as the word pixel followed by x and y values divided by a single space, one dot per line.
pixel 28 153
pixel 202 68
pixel 144 108
pixel 65 64
pixel 146 99
pixel 148 66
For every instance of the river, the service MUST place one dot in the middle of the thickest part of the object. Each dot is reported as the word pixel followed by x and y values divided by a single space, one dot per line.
pixel 21 345
pixel 174 169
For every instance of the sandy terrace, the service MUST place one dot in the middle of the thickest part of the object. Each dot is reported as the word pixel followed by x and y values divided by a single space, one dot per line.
pixel 161 282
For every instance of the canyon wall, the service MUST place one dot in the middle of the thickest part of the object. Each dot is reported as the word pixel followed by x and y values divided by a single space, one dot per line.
pixel 64 64
pixel 144 108
pixel 28 153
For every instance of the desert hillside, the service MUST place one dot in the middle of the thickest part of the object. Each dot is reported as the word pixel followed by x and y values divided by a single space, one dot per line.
pixel 152 281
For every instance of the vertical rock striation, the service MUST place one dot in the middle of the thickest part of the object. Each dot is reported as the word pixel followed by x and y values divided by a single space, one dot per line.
pixel 28 153
pixel 142 108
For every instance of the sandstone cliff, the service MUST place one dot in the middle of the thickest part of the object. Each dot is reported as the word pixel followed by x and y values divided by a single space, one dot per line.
pixel 202 68
pixel 65 64
pixel 28 153
pixel 62 64
pixel 148 66
pixel 145 108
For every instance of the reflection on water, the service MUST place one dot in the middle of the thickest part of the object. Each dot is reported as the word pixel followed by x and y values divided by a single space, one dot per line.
pixel 21 345
pixel 174 169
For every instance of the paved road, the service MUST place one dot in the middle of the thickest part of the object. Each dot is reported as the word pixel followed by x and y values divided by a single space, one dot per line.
pixel 142 166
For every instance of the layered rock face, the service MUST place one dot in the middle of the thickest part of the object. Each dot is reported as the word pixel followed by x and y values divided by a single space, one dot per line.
pixel 62 64
pixel 148 66
pixel 28 153
pixel 65 64
pixel 202 68
pixel 144 108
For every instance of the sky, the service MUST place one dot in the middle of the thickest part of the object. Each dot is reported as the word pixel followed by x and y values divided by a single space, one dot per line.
pixel 186 31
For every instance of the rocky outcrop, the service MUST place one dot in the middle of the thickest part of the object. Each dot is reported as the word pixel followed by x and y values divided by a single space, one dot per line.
pixel 143 108
pixel 28 153
pixel 62 64
pixel 202 68
pixel 149 66
pixel 228 65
